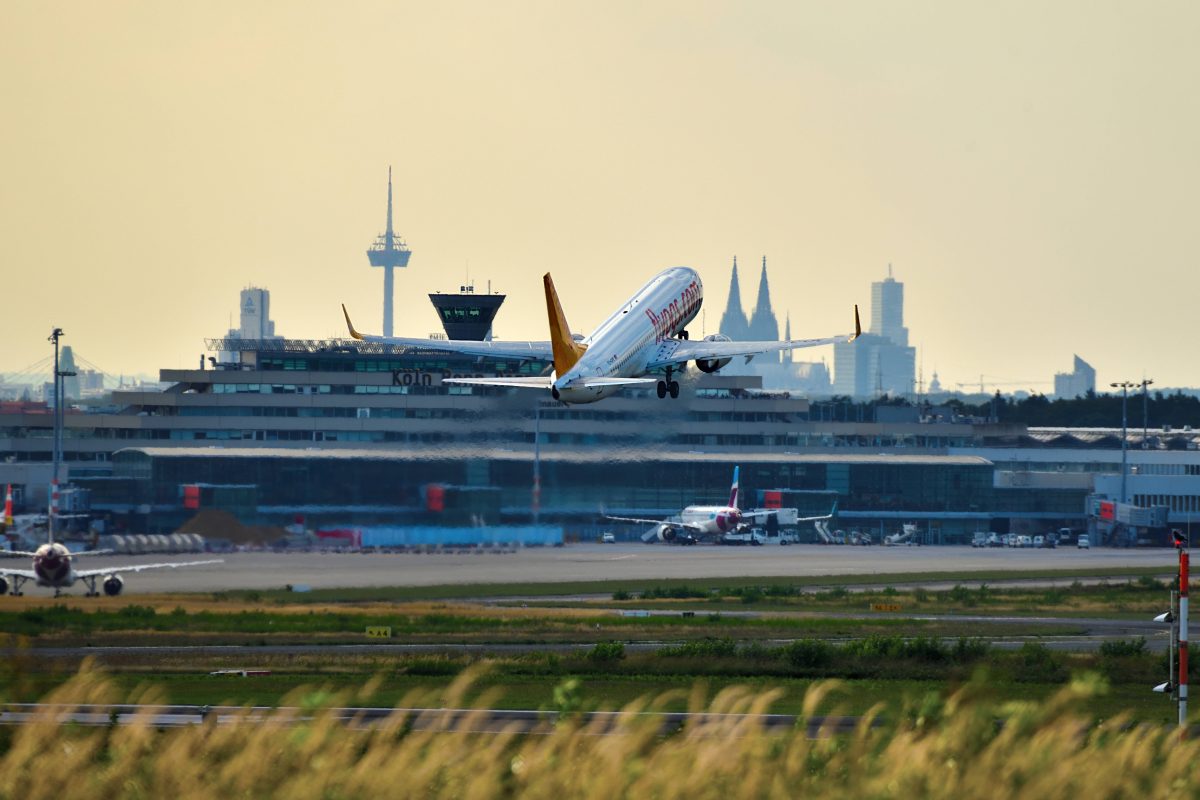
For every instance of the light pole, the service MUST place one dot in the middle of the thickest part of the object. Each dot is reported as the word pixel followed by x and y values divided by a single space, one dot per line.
pixel 1145 410
pixel 537 463
pixel 56 443
pixel 1124 386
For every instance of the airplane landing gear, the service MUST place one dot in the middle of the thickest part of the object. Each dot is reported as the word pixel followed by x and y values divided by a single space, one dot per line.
pixel 668 386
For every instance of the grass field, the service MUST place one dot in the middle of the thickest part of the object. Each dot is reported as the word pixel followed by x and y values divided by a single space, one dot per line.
pixel 766 633
pixel 971 742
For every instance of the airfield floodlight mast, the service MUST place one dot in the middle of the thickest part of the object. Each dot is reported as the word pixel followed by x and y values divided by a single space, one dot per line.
pixel 56 443
pixel 1145 410
pixel 1124 386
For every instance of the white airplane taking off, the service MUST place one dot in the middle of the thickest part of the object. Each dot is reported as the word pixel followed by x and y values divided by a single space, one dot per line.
pixel 645 336
pixel 52 568
pixel 700 522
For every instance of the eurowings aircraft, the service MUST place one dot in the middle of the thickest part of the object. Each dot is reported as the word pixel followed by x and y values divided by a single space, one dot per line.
pixel 645 336
pixel 52 568
pixel 699 522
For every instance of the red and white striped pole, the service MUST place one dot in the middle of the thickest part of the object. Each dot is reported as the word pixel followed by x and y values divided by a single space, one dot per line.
pixel 8 517
pixel 1183 637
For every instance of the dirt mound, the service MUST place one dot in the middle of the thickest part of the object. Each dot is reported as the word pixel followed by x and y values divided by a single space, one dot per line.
pixel 213 523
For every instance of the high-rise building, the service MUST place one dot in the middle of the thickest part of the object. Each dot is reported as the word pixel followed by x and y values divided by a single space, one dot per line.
pixel 879 362
pixel 254 307
pixel 887 309
pixel 1079 383
pixel 254 322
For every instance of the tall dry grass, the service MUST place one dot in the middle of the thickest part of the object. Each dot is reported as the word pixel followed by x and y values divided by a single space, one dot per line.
pixel 964 747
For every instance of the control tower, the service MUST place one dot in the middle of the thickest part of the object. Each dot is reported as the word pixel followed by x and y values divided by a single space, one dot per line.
pixel 467 315
pixel 389 252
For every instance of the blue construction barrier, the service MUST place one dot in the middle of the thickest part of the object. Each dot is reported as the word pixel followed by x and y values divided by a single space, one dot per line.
pixel 426 535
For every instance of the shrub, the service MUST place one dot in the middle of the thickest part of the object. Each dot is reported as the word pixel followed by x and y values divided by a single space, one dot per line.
pixel 808 653
pixel 961 594
pixel 620 594
pixel 607 651
pixel 672 593
pixel 708 647
pixel 967 650
pixel 1054 596
pixel 1036 663
pixel 1116 648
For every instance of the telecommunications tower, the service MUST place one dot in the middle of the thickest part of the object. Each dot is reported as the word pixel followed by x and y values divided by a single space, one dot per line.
pixel 389 252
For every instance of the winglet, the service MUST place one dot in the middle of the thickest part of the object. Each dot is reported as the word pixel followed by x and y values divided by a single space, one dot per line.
pixel 350 325
pixel 857 325
pixel 566 350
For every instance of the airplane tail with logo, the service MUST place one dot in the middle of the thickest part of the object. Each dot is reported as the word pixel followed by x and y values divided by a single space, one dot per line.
pixel 567 351
pixel 733 490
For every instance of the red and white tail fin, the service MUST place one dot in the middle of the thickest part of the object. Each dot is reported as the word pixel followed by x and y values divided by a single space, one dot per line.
pixel 733 490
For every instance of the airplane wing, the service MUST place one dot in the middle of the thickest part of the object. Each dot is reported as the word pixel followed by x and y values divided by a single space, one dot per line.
pixel 533 382
pixel 587 382
pixel 24 573
pixel 87 573
pixel 545 382
pixel 513 349
pixel 18 553
pixel 759 512
pixel 677 351
pixel 687 526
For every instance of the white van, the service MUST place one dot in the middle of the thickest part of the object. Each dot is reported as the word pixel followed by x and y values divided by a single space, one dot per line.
pixel 1085 542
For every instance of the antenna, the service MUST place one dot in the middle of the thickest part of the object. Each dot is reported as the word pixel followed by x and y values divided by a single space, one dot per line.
pixel 921 375
pixel 389 251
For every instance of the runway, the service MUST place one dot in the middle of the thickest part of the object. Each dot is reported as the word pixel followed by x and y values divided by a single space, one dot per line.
pixel 597 562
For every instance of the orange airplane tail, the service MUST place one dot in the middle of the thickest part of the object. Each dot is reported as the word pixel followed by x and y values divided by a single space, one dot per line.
pixel 567 351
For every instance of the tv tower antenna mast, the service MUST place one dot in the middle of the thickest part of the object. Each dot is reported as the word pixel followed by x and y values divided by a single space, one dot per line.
pixel 389 252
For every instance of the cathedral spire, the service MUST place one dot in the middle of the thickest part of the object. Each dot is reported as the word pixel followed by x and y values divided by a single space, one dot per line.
pixel 764 293
pixel 787 335
pixel 763 325
pixel 733 321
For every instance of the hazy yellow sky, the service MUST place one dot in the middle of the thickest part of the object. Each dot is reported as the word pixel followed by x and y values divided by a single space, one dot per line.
pixel 1029 168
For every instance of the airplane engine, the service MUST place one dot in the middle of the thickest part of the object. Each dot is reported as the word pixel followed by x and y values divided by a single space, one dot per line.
pixel 113 584
pixel 666 533
pixel 712 365
pixel 3 585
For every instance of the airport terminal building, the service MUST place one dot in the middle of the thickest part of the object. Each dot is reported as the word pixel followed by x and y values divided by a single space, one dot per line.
pixel 347 432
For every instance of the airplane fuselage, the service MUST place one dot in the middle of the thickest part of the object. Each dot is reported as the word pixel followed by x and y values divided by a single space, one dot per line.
pixel 712 520
pixel 52 565
pixel 634 335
